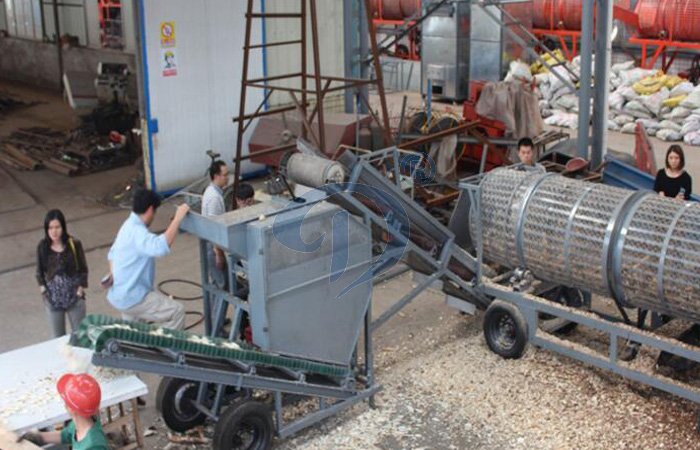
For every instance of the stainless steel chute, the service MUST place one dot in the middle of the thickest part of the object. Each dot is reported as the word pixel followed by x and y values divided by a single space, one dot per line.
pixel 636 247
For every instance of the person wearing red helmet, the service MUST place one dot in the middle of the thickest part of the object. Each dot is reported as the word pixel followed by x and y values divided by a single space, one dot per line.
pixel 81 394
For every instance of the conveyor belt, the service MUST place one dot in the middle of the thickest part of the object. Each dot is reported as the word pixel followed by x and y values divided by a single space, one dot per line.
pixel 96 331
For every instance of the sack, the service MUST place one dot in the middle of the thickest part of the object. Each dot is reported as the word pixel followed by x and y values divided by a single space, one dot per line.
pixel 554 81
pixel 679 112
pixel 692 101
pixel 541 78
pixel 519 71
pixel 623 119
pixel 683 88
pixel 672 102
pixel 654 102
pixel 692 138
pixel 650 85
pixel 567 101
pixel 670 125
pixel 616 101
pixel 649 124
pixel 562 119
pixel 669 135
pixel 636 109
pixel 629 77
pixel 628 128
pixel 689 127
pixel 619 67
pixel 627 93
pixel 613 126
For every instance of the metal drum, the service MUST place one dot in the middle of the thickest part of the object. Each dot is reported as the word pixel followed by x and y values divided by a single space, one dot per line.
pixel 636 247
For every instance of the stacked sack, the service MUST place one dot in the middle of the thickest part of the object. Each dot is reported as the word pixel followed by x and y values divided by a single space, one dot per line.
pixel 667 106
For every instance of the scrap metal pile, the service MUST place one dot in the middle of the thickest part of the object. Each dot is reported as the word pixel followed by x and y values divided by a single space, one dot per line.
pixel 79 151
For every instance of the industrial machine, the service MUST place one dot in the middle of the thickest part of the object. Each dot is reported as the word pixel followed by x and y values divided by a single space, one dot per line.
pixel 301 273
pixel 460 43
pixel 633 247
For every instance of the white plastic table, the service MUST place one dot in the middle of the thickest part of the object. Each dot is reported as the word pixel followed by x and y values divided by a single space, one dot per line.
pixel 28 376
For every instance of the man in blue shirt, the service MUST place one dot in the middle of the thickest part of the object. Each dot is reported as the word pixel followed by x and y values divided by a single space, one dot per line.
pixel 132 265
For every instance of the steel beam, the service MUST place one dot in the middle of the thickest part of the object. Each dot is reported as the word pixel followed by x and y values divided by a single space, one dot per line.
pixel 584 93
pixel 603 53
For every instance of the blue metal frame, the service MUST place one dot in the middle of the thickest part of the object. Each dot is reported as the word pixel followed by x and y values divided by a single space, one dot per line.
pixel 147 93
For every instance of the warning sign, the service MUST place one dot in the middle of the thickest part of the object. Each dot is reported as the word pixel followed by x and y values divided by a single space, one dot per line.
pixel 169 62
pixel 167 34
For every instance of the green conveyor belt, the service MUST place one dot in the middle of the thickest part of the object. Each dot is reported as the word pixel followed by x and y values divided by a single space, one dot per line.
pixel 96 330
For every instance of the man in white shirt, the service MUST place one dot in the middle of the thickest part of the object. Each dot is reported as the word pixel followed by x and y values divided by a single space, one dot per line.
pixel 213 205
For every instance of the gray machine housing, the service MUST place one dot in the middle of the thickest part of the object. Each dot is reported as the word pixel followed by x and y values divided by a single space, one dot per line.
pixel 460 42
pixel 300 272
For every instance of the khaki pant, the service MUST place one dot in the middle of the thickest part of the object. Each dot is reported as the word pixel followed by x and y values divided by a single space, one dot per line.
pixel 158 309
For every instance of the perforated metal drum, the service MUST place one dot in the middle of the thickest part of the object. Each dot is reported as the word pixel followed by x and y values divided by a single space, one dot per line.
pixel 637 247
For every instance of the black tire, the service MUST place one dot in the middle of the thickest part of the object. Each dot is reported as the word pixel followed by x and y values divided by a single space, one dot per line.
pixel 174 400
pixel 244 425
pixel 564 296
pixel 505 330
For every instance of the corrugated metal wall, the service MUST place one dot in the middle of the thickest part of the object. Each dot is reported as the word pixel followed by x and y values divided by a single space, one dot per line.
pixel 286 59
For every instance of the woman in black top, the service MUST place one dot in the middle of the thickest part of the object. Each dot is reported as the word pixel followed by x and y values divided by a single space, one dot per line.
pixel 673 181
pixel 62 274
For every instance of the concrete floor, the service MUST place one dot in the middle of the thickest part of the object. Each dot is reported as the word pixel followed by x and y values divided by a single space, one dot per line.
pixel 26 196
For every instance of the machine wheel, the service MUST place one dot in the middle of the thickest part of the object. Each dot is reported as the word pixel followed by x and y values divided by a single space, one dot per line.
pixel 505 330
pixel 175 399
pixel 244 425
pixel 564 296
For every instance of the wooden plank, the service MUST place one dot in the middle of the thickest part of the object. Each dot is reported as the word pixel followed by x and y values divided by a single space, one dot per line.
pixel 22 157
pixel 8 441
pixel 53 166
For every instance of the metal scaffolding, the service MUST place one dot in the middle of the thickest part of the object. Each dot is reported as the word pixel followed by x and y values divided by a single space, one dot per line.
pixel 300 96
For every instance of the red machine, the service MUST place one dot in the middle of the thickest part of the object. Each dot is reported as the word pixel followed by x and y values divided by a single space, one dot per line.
pixel 396 13
pixel 561 20
pixel 497 154
pixel 666 25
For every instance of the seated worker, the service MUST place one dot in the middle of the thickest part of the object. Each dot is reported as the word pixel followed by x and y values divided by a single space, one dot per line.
pixel 245 196
pixel 526 153
pixel 673 181
pixel 132 265
pixel 81 395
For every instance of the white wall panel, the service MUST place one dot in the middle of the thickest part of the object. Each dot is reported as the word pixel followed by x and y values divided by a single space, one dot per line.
pixel 93 21
pixel 194 108
pixel 287 59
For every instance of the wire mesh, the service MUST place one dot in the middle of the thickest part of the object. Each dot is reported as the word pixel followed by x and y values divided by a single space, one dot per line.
pixel 566 232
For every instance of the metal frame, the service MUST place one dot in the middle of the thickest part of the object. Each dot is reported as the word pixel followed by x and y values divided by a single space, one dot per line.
pixel 318 91
pixel 531 306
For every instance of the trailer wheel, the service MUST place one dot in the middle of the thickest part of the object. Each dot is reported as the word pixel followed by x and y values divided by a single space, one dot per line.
pixel 244 425
pixel 505 330
pixel 175 401
pixel 564 296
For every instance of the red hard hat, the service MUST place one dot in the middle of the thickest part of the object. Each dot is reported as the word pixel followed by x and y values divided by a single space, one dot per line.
pixel 81 393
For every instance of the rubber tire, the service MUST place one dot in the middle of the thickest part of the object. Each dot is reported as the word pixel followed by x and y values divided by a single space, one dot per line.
pixel 495 313
pixel 568 300
pixel 239 412
pixel 166 404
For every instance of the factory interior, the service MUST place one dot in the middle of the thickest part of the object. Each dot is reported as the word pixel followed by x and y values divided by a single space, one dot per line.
pixel 349 224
